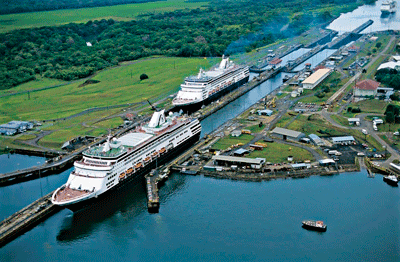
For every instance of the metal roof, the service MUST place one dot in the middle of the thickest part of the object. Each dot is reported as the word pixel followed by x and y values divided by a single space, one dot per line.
pixel 287 132
pixel 241 151
pixel 327 161
pixel 339 139
pixel 133 139
pixel 315 77
pixel 238 159
pixel 354 119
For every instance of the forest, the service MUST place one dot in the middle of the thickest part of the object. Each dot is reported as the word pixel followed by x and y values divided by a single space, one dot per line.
pixel 388 77
pixel 222 27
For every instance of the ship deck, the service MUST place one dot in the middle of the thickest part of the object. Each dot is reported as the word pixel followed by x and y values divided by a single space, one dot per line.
pixel 68 193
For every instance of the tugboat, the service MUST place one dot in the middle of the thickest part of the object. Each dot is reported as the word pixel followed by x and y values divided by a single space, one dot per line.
pixel 314 225
pixel 391 180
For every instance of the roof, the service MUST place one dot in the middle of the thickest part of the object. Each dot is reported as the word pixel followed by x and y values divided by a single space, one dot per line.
pixel 353 47
pixel 316 139
pixel 326 161
pixel 354 119
pixel 287 132
pixel 315 77
pixel 319 67
pixel 241 151
pixel 133 139
pixel 254 161
pixel 396 57
pixel 275 61
pixel 300 165
pixel 266 111
pixel 342 138
pixel 367 84
pixel 391 65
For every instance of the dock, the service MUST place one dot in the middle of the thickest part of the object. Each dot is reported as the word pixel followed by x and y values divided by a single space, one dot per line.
pixel 26 218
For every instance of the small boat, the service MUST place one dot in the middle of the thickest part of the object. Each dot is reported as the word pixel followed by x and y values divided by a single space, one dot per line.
pixel 314 225
pixel 391 179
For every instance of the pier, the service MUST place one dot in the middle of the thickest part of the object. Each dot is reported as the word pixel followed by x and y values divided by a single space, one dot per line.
pixel 26 218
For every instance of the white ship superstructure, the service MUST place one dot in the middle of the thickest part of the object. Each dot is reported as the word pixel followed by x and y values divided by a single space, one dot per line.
pixel 118 160
pixel 208 84
pixel 388 6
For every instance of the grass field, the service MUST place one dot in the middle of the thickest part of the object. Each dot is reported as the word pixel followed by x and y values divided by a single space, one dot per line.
pixel 40 82
pixel 118 85
pixel 270 153
pixel 82 15
pixel 228 141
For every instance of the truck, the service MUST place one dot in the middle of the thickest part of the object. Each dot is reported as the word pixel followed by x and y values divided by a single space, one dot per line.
pixel 364 131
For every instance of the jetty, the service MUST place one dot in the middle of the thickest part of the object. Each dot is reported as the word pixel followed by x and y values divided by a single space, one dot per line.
pixel 26 218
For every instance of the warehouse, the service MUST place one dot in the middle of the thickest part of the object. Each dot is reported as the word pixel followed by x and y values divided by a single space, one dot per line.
pixel 316 78
pixel 316 140
pixel 255 163
pixel 287 134
pixel 14 127
pixel 343 140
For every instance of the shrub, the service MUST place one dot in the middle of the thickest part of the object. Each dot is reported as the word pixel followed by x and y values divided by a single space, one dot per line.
pixel 143 77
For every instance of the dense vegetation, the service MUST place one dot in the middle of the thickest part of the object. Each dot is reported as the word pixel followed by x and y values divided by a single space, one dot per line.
pixel 388 77
pixel 22 6
pixel 392 114
pixel 223 27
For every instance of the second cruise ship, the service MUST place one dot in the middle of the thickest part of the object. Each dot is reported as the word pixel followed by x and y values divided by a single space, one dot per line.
pixel 210 85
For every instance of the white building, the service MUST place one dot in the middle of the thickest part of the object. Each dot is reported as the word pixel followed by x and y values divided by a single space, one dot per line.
pixel 365 88
pixel 316 78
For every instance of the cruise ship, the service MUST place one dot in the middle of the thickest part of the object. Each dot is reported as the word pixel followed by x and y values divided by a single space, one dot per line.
pixel 210 85
pixel 106 167
pixel 388 6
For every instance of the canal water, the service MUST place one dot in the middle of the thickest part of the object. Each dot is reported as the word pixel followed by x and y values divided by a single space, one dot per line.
pixel 205 219
pixel 12 162
pixel 350 21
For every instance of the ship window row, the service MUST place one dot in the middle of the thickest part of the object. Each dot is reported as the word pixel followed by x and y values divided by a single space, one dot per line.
pixel 111 176
pixel 95 162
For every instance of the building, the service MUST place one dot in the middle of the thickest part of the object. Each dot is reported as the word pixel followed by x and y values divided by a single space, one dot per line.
pixel 287 134
pixel 354 121
pixel 343 140
pixel 275 63
pixel 240 152
pixel 236 133
pixel 327 162
pixel 14 127
pixel 390 65
pixel 301 166
pixel 314 79
pixel 365 88
pixel 255 163
pixel 316 140
pixel 265 112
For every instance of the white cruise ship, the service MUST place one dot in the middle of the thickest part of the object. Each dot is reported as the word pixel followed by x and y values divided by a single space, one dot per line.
pixel 209 85
pixel 388 6
pixel 105 167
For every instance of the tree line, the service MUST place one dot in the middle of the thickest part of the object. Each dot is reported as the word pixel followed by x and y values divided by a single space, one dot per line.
pixel 61 52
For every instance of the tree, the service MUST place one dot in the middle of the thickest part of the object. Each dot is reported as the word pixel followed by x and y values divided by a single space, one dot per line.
pixel 389 117
pixel 143 77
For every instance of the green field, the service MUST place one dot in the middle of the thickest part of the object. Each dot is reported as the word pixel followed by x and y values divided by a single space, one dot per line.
pixel 270 153
pixel 65 16
pixel 228 141
pixel 40 82
pixel 120 85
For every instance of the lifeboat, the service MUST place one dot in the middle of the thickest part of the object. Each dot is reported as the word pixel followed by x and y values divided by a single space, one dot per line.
pixel 130 170
pixel 162 150
pixel 147 159
pixel 122 175
pixel 154 154
pixel 138 165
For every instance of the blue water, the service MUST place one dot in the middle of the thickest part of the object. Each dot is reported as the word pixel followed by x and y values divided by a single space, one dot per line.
pixel 295 54
pixel 315 59
pixel 350 21
pixel 12 162
pixel 205 219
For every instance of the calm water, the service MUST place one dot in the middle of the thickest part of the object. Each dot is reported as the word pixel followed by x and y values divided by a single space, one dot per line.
pixel 315 59
pixel 203 219
pixel 12 162
pixel 350 21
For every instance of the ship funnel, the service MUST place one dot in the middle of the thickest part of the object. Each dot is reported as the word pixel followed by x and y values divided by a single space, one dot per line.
pixel 107 146
pixel 157 119
pixel 224 62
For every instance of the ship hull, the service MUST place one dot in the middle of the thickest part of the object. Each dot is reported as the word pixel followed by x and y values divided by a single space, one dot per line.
pixel 390 182
pixel 137 176
pixel 319 229
pixel 196 106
